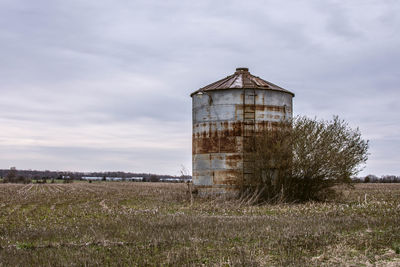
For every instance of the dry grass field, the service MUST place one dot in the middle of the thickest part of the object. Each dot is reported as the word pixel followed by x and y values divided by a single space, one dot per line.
pixel 151 224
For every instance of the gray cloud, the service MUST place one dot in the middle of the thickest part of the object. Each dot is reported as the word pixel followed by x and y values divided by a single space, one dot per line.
pixel 95 85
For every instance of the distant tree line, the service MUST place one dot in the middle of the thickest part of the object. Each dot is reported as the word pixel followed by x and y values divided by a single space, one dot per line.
pixel 13 175
pixel 375 179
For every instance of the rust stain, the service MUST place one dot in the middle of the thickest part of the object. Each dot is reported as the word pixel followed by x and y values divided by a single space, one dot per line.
pixel 227 138
pixel 233 161
pixel 226 177
pixel 205 145
pixel 234 157
pixel 227 144
pixel 259 107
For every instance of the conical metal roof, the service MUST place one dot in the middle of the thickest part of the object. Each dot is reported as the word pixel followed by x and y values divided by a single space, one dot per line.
pixel 241 79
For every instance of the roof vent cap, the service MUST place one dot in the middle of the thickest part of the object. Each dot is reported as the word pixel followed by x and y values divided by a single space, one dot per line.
pixel 242 69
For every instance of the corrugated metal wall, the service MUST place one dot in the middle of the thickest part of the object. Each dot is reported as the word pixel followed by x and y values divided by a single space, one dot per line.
pixel 223 123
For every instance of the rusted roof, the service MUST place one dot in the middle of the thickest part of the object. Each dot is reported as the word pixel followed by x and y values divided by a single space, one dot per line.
pixel 241 79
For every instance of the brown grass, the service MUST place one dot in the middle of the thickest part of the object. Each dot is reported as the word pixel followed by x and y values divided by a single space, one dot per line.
pixel 138 224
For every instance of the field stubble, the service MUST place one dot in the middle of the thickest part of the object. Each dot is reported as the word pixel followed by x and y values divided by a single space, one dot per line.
pixel 115 223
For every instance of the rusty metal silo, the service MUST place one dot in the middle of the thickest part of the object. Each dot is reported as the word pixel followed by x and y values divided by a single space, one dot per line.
pixel 226 115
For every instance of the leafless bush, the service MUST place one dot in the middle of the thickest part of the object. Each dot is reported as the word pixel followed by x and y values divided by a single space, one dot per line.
pixel 304 159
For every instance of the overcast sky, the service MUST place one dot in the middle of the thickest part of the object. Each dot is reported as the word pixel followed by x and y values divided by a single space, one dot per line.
pixel 97 85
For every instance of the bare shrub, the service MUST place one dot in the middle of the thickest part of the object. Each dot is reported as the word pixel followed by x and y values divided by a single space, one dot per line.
pixel 304 159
